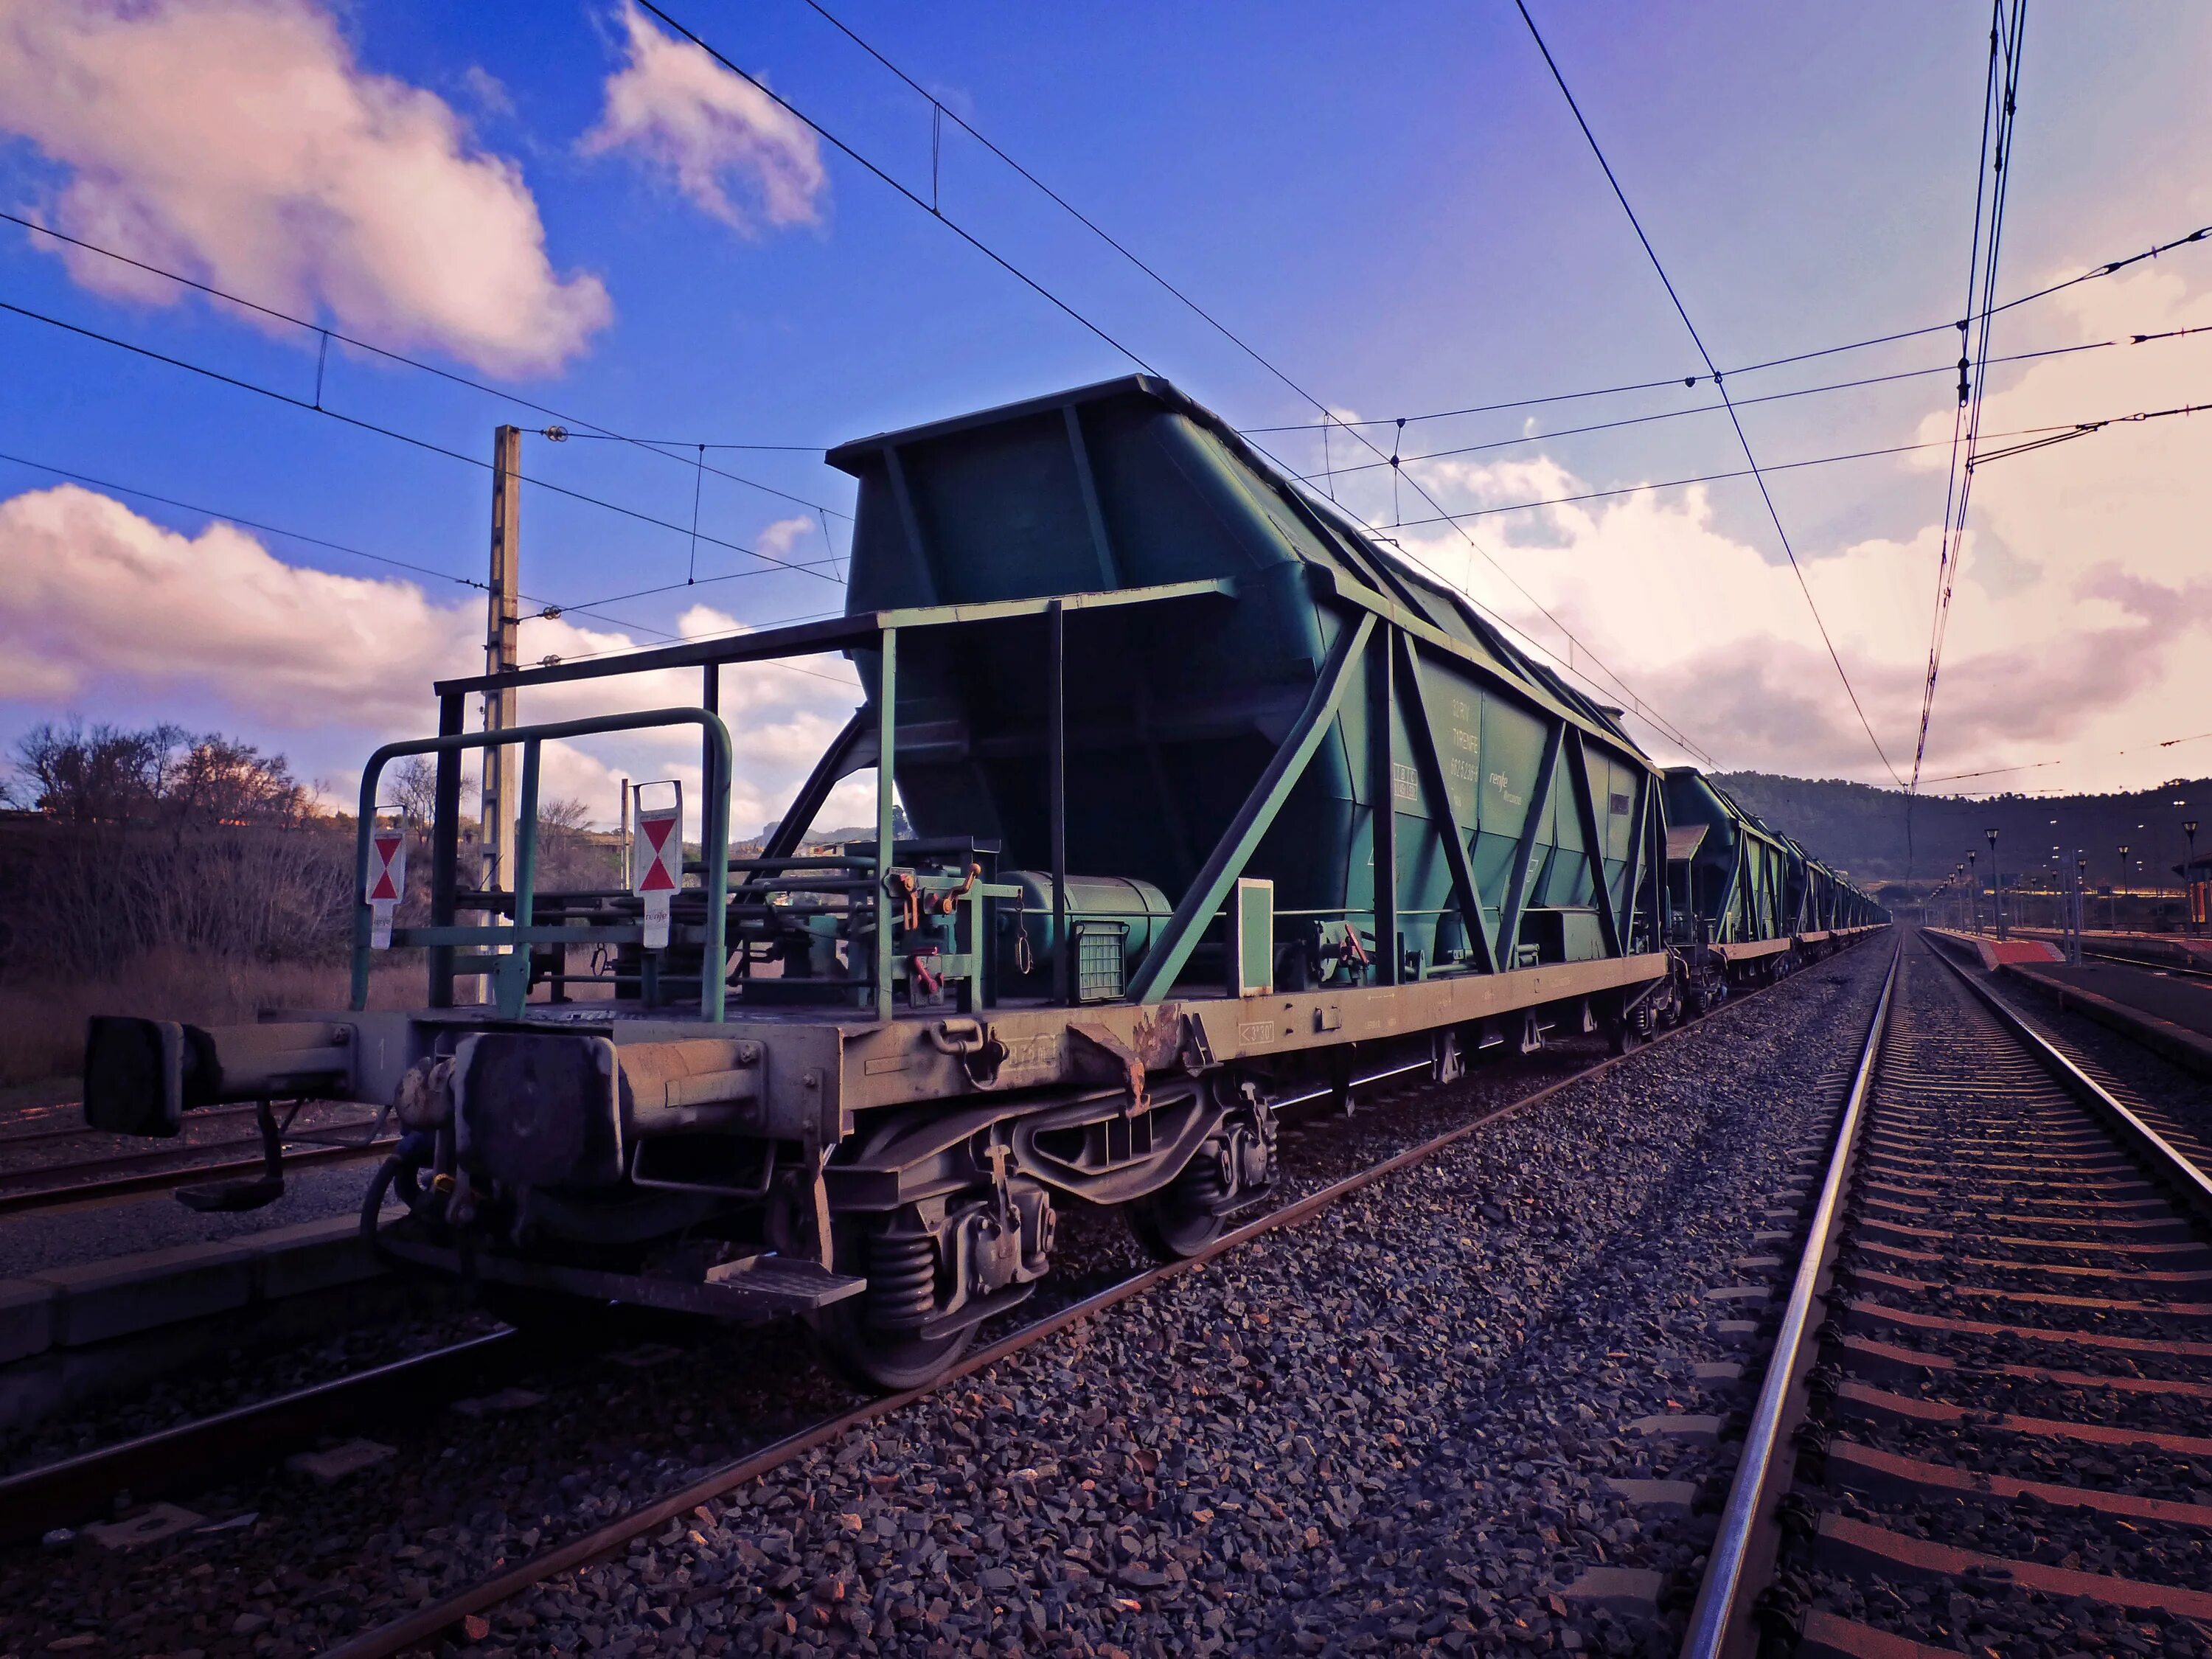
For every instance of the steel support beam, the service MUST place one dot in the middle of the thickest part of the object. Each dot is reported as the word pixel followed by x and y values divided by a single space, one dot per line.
pixel 1088 485
pixel 1429 762
pixel 1524 856
pixel 1156 976
pixel 1633 876
pixel 1382 792
pixel 1585 794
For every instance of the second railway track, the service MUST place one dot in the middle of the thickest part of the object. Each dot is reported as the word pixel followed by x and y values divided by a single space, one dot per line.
pixel 1986 1426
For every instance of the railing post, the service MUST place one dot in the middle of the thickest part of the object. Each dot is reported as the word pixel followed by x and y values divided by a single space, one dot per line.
pixel 1063 972
pixel 715 843
pixel 886 772
pixel 445 847
pixel 514 971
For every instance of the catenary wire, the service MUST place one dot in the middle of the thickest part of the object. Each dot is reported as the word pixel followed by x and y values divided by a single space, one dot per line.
pixel 1719 385
pixel 930 208
pixel 405 438
pixel 1746 402
pixel 935 211
pixel 2003 117
pixel 2107 268
pixel 1958 420
pixel 2055 434
pixel 657 445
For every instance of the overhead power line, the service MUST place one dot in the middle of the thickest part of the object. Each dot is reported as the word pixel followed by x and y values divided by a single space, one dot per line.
pixel 2043 437
pixel 2109 266
pixel 1746 402
pixel 2000 104
pixel 933 208
pixel 1719 385
pixel 407 438
pixel 570 422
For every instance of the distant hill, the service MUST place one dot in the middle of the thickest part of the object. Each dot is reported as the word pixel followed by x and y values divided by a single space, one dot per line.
pixel 1864 830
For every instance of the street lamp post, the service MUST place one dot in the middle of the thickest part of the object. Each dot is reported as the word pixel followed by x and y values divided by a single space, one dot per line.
pixel 2188 883
pixel 2112 910
pixel 1997 883
pixel 1973 890
pixel 2080 900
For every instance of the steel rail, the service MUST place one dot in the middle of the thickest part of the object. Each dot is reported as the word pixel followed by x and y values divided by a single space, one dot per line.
pixel 1719 1607
pixel 11 1137
pixel 60 1493
pixel 2149 964
pixel 17 1201
pixel 2169 1160
pixel 425 1625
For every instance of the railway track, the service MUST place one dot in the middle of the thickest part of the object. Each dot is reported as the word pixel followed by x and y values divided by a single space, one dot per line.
pixel 2156 965
pixel 32 1178
pixel 61 1493
pixel 1986 1423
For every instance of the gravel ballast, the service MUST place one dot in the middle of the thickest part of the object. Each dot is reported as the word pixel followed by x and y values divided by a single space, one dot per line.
pixel 1394 1424
pixel 1392 1427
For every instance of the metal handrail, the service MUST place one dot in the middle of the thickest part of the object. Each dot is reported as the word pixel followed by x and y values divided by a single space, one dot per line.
pixel 1717 1597
pixel 514 971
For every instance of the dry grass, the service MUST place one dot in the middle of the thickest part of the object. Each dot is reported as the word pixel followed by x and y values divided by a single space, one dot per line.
pixel 42 1022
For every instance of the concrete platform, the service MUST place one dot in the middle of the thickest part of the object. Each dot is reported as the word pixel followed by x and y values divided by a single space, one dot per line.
pixel 78 1320
pixel 2183 949
pixel 2172 1016
pixel 1994 954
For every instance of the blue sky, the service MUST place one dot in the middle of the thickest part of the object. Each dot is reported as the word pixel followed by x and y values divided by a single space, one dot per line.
pixel 1393 204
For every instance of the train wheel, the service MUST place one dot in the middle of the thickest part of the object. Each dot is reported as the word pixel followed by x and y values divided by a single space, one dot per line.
pixel 871 1339
pixel 882 1361
pixel 1182 1219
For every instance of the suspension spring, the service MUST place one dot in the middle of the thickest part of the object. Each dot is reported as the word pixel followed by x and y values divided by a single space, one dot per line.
pixel 902 1290
pixel 1200 1188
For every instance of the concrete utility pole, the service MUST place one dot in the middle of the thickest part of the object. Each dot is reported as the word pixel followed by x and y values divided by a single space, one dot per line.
pixel 500 631
pixel 500 626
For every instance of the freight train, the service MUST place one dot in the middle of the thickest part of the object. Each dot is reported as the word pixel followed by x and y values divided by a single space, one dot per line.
pixel 1215 806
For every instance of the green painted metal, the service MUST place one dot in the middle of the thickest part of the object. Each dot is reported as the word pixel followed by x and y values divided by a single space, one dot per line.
pixel 442 936
pixel 1527 848
pixel 1466 894
pixel 1734 888
pixel 886 777
pixel 855 630
pixel 1419 811
pixel 1196 911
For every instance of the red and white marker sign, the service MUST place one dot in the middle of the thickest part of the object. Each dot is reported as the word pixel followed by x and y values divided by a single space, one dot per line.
pixel 386 883
pixel 659 855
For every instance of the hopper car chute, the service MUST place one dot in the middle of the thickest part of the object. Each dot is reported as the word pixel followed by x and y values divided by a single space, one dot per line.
pixel 1216 805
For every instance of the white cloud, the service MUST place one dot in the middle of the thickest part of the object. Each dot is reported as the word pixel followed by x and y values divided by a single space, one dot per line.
pixel 237 141
pixel 780 538
pixel 2080 619
pixel 102 604
pixel 684 114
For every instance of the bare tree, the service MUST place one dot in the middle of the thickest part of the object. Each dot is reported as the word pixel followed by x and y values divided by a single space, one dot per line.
pixel 163 773
pixel 569 854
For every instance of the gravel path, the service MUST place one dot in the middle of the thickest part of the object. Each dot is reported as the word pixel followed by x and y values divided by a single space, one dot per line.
pixel 1415 1398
